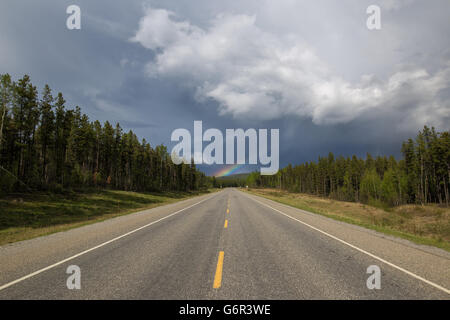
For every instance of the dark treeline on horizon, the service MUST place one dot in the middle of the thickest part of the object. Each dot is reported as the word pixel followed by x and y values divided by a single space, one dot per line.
pixel 46 146
pixel 422 176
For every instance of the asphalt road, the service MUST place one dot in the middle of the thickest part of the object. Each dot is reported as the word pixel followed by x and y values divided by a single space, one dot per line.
pixel 226 245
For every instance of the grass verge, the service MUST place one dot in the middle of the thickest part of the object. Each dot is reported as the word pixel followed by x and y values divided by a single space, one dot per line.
pixel 26 216
pixel 428 225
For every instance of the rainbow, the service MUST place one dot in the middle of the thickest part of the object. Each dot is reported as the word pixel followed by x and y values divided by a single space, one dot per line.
pixel 228 170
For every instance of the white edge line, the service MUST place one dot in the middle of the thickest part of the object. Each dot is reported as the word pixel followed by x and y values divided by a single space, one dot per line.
pixel 359 249
pixel 97 246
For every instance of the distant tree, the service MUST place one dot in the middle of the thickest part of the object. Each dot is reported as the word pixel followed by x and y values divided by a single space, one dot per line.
pixel 46 129
pixel 6 88
pixel 371 185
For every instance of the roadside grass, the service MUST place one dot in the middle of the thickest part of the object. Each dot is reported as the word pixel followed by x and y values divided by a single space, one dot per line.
pixel 26 216
pixel 428 225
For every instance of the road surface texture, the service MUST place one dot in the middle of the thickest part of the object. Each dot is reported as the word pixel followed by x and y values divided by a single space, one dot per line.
pixel 225 245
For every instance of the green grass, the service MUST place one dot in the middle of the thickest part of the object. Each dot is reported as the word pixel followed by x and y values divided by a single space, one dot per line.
pixel 427 225
pixel 25 216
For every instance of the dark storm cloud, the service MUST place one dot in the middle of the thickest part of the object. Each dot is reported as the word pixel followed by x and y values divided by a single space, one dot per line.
pixel 311 69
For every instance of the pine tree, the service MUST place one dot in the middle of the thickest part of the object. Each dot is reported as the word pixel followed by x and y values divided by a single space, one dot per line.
pixel 5 101
pixel 46 130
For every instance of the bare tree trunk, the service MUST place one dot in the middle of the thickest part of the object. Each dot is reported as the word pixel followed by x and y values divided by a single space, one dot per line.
pixel 446 193
pixel 422 194
pixel 1 125
pixel 446 184
pixel 160 176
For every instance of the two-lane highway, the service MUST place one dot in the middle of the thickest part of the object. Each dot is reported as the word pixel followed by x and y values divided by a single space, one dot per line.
pixel 227 245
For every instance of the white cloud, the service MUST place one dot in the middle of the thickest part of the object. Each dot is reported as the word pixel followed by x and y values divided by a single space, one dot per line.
pixel 254 73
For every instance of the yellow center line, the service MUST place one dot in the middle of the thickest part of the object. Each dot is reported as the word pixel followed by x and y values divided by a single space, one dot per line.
pixel 228 210
pixel 226 224
pixel 218 276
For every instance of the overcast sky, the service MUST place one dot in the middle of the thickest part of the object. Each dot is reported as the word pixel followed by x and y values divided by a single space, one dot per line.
pixel 310 68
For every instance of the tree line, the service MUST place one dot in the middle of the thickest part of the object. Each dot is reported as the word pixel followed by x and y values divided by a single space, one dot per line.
pixel 46 146
pixel 422 176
